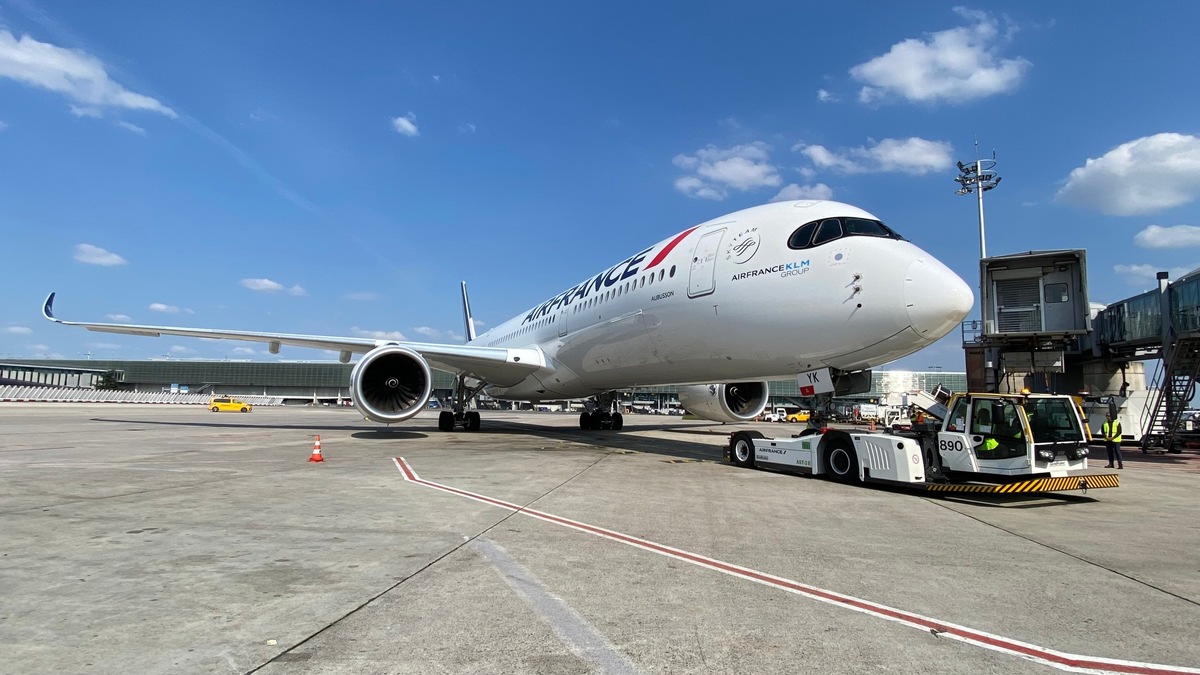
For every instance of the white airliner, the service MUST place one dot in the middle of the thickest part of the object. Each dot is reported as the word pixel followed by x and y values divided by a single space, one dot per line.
pixel 814 288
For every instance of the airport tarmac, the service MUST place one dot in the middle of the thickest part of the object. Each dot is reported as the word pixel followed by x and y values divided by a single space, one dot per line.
pixel 170 539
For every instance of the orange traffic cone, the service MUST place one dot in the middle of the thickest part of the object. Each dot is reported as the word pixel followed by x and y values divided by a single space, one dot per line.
pixel 871 425
pixel 316 456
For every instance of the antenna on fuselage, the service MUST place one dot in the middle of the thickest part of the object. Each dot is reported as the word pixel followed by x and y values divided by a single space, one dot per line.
pixel 468 322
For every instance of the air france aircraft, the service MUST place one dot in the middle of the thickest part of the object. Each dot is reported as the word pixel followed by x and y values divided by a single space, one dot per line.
pixel 815 289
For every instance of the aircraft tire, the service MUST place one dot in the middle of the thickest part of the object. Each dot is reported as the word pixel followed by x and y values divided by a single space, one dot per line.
pixel 446 421
pixel 585 420
pixel 472 421
pixel 618 421
pixel 742 448
pixel 841 461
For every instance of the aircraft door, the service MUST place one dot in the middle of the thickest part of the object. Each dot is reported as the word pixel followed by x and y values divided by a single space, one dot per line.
pixel 702 279
pixel 563 313
pixel 1058 301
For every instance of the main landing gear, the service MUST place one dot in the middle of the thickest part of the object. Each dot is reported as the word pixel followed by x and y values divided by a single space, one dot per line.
pixel 460 416
pixel 601 413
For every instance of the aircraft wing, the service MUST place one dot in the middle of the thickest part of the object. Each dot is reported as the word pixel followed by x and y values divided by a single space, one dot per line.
pixel 496 365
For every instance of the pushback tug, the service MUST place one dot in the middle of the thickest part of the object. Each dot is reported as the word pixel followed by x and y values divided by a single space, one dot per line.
pixel 997 443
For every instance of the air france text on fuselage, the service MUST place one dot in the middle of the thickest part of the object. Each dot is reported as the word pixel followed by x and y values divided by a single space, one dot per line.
pixel 784 270
pixel 617 273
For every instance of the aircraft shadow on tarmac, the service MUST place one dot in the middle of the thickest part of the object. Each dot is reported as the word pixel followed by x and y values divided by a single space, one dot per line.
pixel 363 432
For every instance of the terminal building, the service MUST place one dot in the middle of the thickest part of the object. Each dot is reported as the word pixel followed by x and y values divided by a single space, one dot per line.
pixel 329 381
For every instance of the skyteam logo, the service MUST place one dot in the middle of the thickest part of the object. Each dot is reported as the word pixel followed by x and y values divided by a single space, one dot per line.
pixel 743 246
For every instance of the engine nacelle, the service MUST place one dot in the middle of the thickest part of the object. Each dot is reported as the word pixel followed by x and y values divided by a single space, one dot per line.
pixel 391 384
pixel 738 402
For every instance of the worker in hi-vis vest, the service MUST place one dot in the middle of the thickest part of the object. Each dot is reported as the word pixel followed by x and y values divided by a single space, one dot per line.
pixel 1112 441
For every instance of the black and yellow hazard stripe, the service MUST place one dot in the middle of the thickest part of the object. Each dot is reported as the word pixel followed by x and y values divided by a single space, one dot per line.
pixel 1109 480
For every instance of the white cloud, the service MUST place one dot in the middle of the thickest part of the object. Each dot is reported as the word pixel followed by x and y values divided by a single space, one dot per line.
pixel 1178 236
pixel 954 66
pixel 269 286
pixel 75 74
pixel 245 351
pixel 715 170
pixel 891 155
pixel 466 128
pixel 1142 176
pixel 94 255
pixel 825 96
pixel 379 334
pixel 17 330
pixel 132 127
pixel 86 111
pixel 406 125
pixel 1141 274
pixel 120 318
pixel 262 285
pixel 180 350
pixel 3 126
pixel 42 352
pixel 166 309
pixel 107 346
pixel 435 334
pixel 362 296
pixel 795 191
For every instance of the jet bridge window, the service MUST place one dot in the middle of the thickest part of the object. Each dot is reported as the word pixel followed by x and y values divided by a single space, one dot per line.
pixel 829 229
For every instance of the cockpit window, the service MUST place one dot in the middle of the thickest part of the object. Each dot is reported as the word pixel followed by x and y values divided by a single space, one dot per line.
pixel 824 231
pixel 801 237
pixel 829 230
pixel 868 228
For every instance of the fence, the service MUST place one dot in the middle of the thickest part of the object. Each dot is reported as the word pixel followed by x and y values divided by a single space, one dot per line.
pixel 24 393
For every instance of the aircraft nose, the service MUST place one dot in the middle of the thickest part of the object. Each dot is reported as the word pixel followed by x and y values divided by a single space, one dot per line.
pixel 937 299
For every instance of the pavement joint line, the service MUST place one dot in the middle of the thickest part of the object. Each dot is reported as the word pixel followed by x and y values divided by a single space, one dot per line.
pixel 1066 553
pixel 1061 660
pixel 579 635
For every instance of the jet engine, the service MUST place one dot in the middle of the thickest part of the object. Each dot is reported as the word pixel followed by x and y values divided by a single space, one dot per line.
pixel 737 402
pixel 391 384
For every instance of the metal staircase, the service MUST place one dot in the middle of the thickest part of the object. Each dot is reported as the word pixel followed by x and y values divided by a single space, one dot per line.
pixel 1175 381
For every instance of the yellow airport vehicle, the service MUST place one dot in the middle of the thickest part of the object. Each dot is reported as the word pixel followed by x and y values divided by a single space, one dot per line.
pixel 227 404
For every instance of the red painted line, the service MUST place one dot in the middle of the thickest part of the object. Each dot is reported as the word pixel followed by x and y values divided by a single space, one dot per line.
pixel 1061 660
pixel 669 247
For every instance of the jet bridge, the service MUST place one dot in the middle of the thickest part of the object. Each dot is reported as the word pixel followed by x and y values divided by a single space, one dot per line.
pixel 1033 305
pixel 1162 324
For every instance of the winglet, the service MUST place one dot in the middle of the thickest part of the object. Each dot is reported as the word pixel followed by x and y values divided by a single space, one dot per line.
pixel 48 308
pixel 467 319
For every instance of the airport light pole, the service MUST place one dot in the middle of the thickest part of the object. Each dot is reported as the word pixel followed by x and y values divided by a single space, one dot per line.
pixel 978 177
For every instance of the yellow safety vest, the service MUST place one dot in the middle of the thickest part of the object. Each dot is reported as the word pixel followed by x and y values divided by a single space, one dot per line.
pixel 1112 430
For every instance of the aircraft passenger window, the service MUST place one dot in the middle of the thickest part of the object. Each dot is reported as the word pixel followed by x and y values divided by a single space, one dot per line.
pixel 830 229
pixel 661 274
pixel 672 271
pixel 801 237
pixel 651 277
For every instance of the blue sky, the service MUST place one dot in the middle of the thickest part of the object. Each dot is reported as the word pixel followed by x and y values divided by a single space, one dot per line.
pixel 337 168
